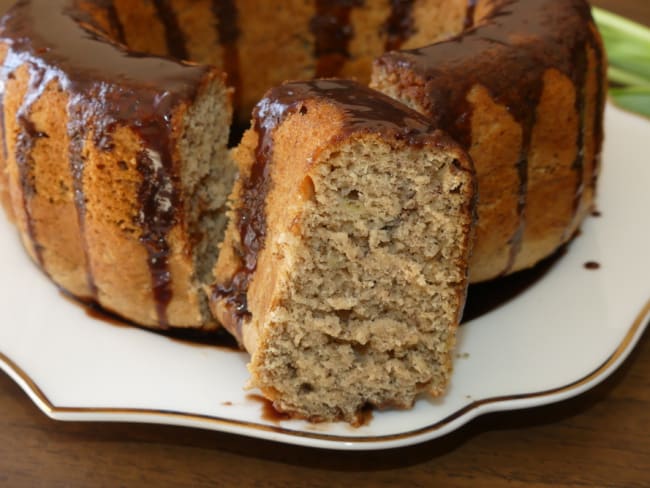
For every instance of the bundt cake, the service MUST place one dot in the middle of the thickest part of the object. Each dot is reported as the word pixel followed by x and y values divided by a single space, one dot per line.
pixel 114 160
pixel 344 267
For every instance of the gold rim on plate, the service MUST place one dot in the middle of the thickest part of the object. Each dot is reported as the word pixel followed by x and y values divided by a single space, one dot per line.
pixel 217 423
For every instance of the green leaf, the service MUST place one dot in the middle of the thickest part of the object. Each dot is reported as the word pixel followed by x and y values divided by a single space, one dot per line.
pixel 635 99
pixel 622 77
pixel 628 50
pixel 617 24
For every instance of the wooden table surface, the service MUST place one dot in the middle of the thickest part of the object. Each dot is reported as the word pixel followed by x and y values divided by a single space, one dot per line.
pixel 601 438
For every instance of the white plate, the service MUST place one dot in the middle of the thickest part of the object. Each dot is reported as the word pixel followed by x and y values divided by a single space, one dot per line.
pixel 557 338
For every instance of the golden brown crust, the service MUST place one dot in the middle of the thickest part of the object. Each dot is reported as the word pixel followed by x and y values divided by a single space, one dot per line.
pixel 495 151
pixel 15 89
pixel 552 179
pixel 52 209
pixel 133 16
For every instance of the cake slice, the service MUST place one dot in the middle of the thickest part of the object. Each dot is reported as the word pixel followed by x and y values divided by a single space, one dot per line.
pixel 344 267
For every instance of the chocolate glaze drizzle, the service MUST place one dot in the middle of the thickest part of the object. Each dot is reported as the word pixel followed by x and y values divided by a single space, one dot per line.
pixel 25 142
pixel 159 199
pixel 510 34
pixel 108 88
pixel 3 127
pixel 115 22
pixel 365 111
pixel 77 132
pixel 483 298
pixel 601 96
pixel 399 25
pixel 469 14
pixel 173 33
pixel 579 80
pixel 225 11
pixel 332 31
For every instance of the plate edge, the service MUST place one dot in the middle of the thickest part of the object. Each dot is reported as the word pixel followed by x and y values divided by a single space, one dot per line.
pixel 253 429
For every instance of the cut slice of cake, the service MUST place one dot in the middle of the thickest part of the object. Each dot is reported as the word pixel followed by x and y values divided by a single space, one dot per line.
pixel 344 267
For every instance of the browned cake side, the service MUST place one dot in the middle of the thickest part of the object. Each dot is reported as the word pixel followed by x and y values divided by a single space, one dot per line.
pixel 522 90
pixel 260 44
pixel 344 267
pixel 115 166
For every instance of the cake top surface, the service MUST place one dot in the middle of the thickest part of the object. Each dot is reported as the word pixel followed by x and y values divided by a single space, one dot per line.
pixel 58 40
pixel 507 51
pixel 531 25
pixel 364 109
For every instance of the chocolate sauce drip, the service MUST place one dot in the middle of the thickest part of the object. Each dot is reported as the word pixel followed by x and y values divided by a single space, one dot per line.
pixel 601 99
pixel 158 200
pixel 114 19
pixel 592 265
pixel 226 15
pixel 269 413
pixel 518 34
pixel 483 298
pixel 332 33
pixel 400 25
pixel 25 143
pixel 119 89
pixel 469 14
pixel 3 127
pixel 78 120
pixel 527 126
pixel 579 81
pixel 186 336
pixel 173 33
pixel 365 111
